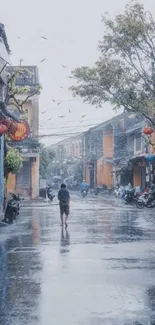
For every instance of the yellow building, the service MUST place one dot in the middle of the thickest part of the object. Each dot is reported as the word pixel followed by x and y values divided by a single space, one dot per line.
pixel 26 182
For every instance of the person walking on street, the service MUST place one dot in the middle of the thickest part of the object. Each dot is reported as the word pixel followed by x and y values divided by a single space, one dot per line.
pixel 64 202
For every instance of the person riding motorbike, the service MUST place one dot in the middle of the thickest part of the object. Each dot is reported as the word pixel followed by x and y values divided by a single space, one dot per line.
pixel 84 186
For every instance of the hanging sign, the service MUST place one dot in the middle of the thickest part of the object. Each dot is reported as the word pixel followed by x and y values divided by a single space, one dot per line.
pixel 21 132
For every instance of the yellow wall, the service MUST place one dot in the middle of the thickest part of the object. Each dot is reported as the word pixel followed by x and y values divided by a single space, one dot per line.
pixel 108 152
pixel 11 183
pixel 34 179
pixel 87 175
pixel 100 173
pixel 107 175
pixel 137 176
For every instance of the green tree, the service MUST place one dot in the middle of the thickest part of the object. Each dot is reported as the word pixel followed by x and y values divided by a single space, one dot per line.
pixel 12 90
pixel 124 74
pixel 46 158
pixel 13 162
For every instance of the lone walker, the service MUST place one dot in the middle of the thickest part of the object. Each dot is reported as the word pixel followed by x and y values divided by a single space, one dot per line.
pixel 64 201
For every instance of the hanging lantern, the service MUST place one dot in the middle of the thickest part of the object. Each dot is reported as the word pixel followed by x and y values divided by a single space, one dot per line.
pixel 148 130
pixel 3 129
pixel 150 158
pixel 10 124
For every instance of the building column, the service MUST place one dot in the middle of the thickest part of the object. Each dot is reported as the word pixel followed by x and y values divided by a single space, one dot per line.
pixel 35 178
pixel 137 176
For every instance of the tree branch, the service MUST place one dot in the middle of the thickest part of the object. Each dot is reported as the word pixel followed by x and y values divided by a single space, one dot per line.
pixel 148 118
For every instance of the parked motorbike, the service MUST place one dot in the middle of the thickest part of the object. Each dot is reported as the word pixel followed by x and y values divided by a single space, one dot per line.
pixel 131 196
pixel 104 190
pixel 13 208
pixel 50 194
pixel 118 192
pixel 146 200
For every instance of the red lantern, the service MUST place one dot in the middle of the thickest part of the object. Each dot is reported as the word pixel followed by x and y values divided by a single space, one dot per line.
pixel 11 125
pixel 148 130
pixel 3 128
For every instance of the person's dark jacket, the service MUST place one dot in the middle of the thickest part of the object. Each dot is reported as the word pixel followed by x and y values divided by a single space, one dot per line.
pixel 63 196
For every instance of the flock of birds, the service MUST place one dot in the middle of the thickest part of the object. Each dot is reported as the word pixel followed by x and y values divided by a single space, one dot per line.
pixel 61 116
pixel 61 87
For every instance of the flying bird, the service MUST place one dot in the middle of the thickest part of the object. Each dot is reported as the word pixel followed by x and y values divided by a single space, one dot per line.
pixel 83 116
pixel 42 60
pixel 18 37
pixel 70 77
pixel 53 100
pixel 50 118
pixel 81 122
pixel 43 37
pixel 43 112
pixel 64 66
pixel 61 116
pixel 70 111
pixel 61 87
pixel 59 103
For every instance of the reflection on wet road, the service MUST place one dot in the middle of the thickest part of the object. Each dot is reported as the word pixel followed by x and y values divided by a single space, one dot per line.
pixel 100 270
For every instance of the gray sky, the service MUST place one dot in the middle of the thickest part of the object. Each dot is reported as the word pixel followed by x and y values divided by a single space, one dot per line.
pixel 73 28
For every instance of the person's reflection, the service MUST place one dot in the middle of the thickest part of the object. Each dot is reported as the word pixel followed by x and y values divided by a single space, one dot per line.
pixel 65 240
pixel 36 231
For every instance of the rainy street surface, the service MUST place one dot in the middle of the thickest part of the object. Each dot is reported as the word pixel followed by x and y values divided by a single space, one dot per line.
pixel 100 271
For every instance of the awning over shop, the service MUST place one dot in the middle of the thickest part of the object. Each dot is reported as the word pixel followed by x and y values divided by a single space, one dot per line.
pixel 140 156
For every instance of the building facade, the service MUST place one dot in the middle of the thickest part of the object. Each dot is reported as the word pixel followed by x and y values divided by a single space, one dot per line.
pixel 26 182
pixel 113 152
pixel 4 59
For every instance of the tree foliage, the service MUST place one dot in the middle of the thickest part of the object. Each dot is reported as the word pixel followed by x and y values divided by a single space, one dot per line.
pixel 13 161
pixel 46 158
pixel 124 74
pixel 13 90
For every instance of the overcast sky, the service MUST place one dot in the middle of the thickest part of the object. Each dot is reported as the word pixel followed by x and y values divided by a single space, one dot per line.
pixel 72 29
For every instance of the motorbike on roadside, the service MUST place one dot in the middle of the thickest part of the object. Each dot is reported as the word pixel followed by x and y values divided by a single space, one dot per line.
pixel 146 200
pixel 131 196
pixel 50 194
pixel 118 192
pixel 12 208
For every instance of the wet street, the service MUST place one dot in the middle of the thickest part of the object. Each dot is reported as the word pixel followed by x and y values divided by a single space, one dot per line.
pixel 101 270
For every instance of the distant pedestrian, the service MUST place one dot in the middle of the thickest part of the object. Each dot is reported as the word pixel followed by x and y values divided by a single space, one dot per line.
pixel 64 202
